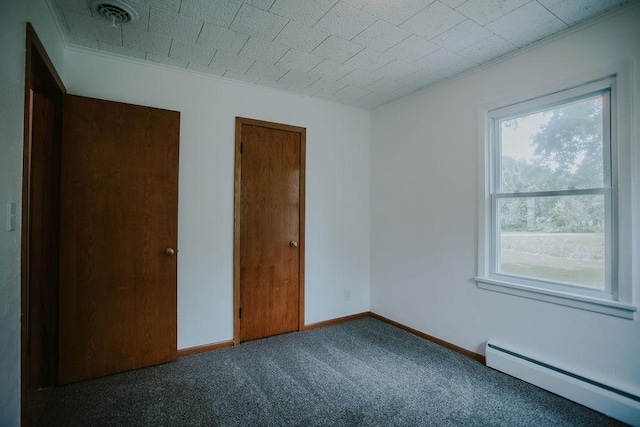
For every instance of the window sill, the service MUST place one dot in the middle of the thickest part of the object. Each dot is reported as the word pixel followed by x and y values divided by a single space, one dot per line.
pixel 611 308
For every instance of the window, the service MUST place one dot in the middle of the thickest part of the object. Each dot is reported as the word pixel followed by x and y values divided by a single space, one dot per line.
pixel 551 205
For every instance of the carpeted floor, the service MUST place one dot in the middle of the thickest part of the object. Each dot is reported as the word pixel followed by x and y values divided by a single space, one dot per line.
pixel 360 373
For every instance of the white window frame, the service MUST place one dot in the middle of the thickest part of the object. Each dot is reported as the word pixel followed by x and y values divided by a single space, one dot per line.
pixel 616 299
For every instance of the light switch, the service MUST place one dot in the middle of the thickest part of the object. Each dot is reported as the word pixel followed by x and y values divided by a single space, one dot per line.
pixel 12 216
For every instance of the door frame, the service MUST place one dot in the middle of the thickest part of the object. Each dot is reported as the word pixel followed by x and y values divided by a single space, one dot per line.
pixel 40 74
pixel 240 122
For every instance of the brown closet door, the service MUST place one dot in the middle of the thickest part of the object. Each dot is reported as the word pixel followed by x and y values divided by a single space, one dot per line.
pixel 118 237
pixel 269 231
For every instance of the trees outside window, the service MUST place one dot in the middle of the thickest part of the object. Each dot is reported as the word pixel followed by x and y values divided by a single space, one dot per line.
pixel 551 211
pixel 555 207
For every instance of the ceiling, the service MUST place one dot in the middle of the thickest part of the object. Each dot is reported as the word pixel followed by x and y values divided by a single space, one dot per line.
pixel 362 53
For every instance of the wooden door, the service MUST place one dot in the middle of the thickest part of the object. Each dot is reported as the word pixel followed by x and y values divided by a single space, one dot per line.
pixel 119 209
pixel 269 228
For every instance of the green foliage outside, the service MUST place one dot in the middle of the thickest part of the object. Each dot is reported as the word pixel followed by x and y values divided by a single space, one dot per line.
pixel 559 238
pixel 567 155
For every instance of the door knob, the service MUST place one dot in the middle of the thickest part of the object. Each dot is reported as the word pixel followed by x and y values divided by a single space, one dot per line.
pixel 169 252
pixel 293 244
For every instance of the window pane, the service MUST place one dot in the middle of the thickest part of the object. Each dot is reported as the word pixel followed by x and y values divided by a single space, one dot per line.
pixel 559 239
pixel 556 149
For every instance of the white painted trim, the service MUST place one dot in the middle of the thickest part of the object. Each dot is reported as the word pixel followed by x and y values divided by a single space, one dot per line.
pixel 484 193
pixel 584 91
pixel 554 98
pixel 627 179
pixel 610 307
pixel 619 404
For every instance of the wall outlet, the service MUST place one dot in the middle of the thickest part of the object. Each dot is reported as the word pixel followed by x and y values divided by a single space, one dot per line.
pixel 347 295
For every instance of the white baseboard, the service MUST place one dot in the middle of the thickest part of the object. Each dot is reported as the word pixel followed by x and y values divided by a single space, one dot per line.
pixel 600 397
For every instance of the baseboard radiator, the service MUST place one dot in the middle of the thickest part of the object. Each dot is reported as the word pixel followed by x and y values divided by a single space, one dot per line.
pixel 600 397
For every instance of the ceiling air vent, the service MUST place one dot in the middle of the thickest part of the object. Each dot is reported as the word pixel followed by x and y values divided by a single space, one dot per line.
pixel 116 11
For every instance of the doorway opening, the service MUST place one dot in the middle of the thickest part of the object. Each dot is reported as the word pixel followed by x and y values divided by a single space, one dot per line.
pixel 44 93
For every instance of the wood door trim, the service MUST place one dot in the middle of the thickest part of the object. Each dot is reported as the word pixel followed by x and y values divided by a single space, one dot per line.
pixel 40 74
pixel 242 121
pixel 35 49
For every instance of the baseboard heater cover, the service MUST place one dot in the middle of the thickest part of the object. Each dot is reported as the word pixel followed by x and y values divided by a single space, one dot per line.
pixel 600 397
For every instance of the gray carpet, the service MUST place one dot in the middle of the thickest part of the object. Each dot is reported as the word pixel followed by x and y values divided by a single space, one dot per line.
pixel 360 373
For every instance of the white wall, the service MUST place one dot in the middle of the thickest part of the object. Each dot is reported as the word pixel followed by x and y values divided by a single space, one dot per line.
pixel 423 167
pixel 337 222
pixel 13 16
pixel 424 189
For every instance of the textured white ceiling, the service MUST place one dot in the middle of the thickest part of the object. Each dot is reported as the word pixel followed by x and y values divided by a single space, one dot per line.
pixel 358 52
